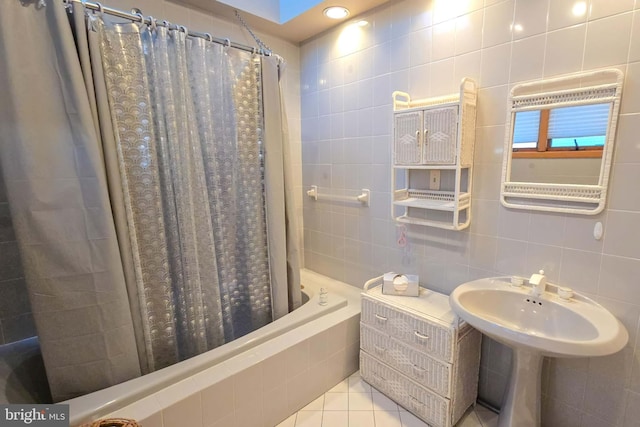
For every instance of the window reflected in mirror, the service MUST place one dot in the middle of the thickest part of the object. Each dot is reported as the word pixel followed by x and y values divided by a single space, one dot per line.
pixel 565 132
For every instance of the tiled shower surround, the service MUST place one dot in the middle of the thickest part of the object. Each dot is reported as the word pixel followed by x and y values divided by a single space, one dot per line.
pixel 425 48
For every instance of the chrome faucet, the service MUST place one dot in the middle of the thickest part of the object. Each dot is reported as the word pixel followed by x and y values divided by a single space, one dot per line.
pixel 538 283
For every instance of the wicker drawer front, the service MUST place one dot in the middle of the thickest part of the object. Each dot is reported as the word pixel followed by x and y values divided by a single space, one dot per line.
pixel 416 365
pixel 431 338
pixel 427 405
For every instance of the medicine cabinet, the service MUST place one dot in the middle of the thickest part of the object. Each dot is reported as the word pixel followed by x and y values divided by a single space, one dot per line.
pixel 433 142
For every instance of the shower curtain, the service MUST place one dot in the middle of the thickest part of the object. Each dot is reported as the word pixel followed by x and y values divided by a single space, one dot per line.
pixel 187 185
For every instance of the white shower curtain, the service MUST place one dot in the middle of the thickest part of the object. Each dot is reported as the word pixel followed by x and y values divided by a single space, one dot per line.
pixel 57 192
pixel 187 117
pixel 150 190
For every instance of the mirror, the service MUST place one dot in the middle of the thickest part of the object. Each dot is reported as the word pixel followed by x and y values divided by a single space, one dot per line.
pixel 559 145
pixel 559 142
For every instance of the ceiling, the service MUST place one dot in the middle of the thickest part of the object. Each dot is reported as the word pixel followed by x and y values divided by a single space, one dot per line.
pixel 302 27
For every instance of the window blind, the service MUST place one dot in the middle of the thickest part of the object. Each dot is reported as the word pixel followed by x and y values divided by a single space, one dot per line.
pixel 525 129
pixel 580 121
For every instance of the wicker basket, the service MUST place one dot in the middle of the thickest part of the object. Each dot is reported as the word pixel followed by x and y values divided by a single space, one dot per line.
pixel 113 422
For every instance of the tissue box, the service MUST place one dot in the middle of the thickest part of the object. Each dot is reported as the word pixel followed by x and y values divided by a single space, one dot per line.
pixel 401 284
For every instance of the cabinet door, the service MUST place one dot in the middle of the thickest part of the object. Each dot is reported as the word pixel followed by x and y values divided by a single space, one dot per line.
pixel 407 146
pixel 440 135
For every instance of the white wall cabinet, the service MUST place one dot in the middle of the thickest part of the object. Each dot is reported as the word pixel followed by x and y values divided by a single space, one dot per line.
pixel 433 143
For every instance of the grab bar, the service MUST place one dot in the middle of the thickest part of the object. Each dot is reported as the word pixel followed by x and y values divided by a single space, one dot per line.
pixel 364 197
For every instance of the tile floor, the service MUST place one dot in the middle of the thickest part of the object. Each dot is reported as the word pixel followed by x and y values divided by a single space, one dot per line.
pixel 354 403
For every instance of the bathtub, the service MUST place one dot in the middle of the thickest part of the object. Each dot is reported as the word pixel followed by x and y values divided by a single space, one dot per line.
pixel 257 380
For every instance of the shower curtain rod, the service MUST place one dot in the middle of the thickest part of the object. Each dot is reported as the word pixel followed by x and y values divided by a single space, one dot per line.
pixel 148 20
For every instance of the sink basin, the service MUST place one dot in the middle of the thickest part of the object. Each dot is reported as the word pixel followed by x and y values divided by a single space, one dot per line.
pixel 535 326
pixel 576 328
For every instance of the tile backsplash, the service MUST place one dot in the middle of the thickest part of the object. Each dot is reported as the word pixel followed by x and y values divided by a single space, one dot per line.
pixel 424 48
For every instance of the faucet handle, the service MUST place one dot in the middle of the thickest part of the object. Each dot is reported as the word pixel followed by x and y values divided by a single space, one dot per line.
pixel 538 282
pixel 537 278
pixel 565 293
pixel 516 281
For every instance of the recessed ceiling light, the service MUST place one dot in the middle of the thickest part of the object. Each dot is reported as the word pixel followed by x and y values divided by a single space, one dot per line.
pixel 362 23
pixel 336 12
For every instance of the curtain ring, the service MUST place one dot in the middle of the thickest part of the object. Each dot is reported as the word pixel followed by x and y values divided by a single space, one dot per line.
pixel 100 9
pixel 209 36
pixel 141 16
pixel 253 51
pixel 227 43
pixel 183 29
pixel 153 23
pixel 166 24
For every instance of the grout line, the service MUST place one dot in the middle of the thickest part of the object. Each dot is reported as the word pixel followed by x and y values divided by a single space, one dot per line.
pixel 478 420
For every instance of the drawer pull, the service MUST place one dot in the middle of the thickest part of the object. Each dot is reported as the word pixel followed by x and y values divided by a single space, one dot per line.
pixel 381 317
pixel 379 378
pixel 416 400
pixel 380 350
pixel 421 336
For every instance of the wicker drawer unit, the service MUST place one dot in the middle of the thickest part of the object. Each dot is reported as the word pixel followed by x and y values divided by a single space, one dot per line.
pixel 423 369
pixel 419 353
pixel 432 338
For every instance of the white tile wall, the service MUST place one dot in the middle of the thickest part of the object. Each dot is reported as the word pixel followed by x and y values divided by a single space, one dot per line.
pixel 527 58
pixel 498 19
pixel 530 18
pixel 425 47
pixel 564 13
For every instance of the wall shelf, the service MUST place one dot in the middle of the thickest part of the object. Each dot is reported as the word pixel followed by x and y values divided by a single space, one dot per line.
pixel 432 149
pixel 436 200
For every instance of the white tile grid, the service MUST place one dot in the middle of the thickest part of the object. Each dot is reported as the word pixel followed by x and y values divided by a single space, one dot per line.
pixel 519 40
pixel 354 403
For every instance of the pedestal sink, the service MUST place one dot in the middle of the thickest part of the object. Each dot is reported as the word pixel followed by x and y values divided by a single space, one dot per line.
pixel 535 326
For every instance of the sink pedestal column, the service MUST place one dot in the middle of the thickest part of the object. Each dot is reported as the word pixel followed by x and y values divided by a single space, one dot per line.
pixel 521 402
